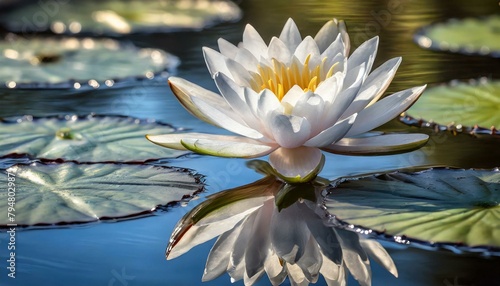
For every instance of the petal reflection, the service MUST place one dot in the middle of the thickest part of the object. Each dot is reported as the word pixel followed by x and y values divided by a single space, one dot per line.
pixel 279 229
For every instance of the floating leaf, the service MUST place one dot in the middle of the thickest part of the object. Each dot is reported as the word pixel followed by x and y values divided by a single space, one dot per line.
pixel 460 103
pixel 468 36
pixel 85 139
pixel 71 193
pixel 80 64
pixel 122 17
pixel 436 205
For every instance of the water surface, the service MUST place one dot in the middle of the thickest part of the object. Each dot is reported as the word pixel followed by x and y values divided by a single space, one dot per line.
pixel 132 252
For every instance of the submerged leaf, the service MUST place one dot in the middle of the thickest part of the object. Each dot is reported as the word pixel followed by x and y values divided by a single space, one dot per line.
pixel 467 36
pixel 78 64
pixel 459 103
pixel 85 139
pixel 436 205
pixel 124 17
pixel 75 193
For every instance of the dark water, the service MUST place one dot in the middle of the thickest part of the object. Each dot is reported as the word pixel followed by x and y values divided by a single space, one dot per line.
pixel 132 252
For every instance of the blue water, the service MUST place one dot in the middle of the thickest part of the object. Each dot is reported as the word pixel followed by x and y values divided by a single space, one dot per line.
pixel 132 252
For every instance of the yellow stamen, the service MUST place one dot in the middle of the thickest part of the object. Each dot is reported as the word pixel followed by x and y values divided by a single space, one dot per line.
pixel 280 78
pixel 281 92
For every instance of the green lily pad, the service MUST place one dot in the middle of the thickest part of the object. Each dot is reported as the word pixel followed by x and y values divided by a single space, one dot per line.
pixel 78 64
pixel 84 139
pixel 117 17
pixel 461 104
pixel 468 36
pixel 437 205
pixel 44 194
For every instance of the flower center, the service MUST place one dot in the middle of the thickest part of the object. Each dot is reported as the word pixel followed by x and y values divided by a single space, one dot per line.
pixel 281 78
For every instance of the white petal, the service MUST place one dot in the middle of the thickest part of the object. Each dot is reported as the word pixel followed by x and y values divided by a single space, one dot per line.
pixel 197 235
pixel 336 109
pixel 374 85
pixel 227 49
pixel 310 106
pixel 259 245
pixel 378 79
pixel 296 275
pixel 191 235
pixel 268 102
pixel 236 267
pixel 379 254
pixel 238 202
pixel 224 120
pixel 326 35
pixel 384 110
pixel 296 163
pixel 308 47
pixel 332 134
pixel 341 279
pixel 216 62
pixel 252 99
pixel 378 145
pixel 238 73
pixel 289 233
pixel 210 219
pixel 330 270
pixel 229 149
pixel 290 35
pixel 325 236
pixel 218 258
pixel 265 61
pixel 235 97
pixel 292 96
pixel 174 140
pixel 345 37
pixel 253 42
pixel 275 271
pixel 355 258
pixel 215 145
pixel 336 47
pixel 311 261
pixel 330 88
pixel 252 280
pixel 185 91
pixel 247 60
pixel 340 62
pixel 279 51
pixel 289 131
pixel 363 54
pixel 353 75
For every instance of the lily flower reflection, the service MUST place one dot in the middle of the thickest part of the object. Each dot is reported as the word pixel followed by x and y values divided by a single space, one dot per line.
pixel 270 227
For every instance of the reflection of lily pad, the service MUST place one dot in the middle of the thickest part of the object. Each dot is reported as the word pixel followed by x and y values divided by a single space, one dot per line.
pixel 80 64
pixel 85 139
pixel 466 104
pixel 440 206
pixel 122 17
pixel 468 36
pixel 69 192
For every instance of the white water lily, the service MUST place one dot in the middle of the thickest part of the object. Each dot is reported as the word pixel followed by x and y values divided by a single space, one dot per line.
pixel 292 98
pixel 256 237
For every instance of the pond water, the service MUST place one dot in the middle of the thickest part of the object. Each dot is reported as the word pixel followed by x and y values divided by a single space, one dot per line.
pixel 132 252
